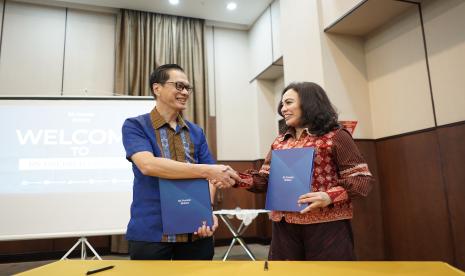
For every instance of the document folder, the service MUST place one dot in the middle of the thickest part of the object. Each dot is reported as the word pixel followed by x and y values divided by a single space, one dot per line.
pixel 290 177
pixel 185 205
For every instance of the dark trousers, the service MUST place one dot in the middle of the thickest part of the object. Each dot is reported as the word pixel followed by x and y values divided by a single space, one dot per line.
pixel 201 249
pixel 328 241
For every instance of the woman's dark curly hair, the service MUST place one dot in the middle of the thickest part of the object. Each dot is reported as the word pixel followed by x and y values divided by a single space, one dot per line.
pixel 318 114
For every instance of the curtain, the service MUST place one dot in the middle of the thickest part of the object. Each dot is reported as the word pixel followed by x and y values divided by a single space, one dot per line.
pixel 146 40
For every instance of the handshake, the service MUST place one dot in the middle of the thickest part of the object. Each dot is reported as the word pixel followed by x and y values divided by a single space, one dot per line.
pixel 222 176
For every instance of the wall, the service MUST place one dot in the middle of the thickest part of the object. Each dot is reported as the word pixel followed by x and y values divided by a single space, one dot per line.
pixel 2 5
pixel 452 149
pixel 242 105
pixel 276 29
pixel 334 9
pixel 416 128
pixel 445 40
pixel 260 44
pixel 52 51
pixel 236 100
pixel 446 52
pixel 397 77
pixel 265 40
pixel 279 85
pixel 345 74
pixel 415 210
pixel 301 47
pixel 32 49
pixel 49 50
pixel 425 163
pixel 89 54
pixel 266 108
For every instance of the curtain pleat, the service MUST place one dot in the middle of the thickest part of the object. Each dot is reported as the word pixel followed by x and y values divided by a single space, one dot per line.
pixel 146 40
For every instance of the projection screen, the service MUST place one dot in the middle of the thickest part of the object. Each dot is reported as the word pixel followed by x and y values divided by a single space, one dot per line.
pixel 63 168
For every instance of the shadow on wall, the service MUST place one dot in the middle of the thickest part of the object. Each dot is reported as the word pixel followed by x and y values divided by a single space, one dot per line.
pixel 444 17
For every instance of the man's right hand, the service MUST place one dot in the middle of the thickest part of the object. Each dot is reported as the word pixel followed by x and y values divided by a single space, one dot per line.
pixel 222 176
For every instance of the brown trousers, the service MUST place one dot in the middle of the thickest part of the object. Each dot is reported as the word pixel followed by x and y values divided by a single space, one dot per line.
pixel 328 241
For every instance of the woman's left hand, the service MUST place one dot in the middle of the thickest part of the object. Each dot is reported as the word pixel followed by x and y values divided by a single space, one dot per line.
pixel 315 200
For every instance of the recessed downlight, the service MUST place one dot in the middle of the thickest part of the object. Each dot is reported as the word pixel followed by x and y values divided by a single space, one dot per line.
pixel 231 6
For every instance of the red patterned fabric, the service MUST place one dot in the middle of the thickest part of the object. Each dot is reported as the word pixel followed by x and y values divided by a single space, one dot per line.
pixel 339 170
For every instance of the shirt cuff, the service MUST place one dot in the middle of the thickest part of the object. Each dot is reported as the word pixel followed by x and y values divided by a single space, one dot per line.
pixel 337 194
pixel 246 181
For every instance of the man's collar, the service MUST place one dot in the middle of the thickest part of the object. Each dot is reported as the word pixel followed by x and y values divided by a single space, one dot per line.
pixel 159 121
pixel 181 122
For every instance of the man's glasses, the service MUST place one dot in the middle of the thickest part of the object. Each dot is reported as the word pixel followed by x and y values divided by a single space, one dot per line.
pixel 180 86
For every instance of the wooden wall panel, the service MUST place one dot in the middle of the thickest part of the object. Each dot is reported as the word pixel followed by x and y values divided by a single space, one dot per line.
pixel 415 215
pixel 452 145
pixel 367 223
pixel 25 246
pixel 97 242
pixel 47 248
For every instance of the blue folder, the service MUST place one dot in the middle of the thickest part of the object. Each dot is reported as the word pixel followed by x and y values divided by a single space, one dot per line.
pixel 290 177
pixel 185 205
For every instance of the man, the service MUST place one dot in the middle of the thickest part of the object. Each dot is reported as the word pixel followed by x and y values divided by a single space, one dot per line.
pixel 162 144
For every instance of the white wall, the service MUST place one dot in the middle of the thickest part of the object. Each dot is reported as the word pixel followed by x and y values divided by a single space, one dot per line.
pixel 445 38
pixel 90 53
pixel 266 110
pixel 300 41
pixel 278 89
pixel 260 44
pixel 31 60
pixel 236 100
pixel 332 10
pixel 346 81
pixel 265 40
pixel 337 63
pixel 241 106
pixel 395 69
pixel 398 81
pixel 276 29
pixel 49 50
pixel 2 3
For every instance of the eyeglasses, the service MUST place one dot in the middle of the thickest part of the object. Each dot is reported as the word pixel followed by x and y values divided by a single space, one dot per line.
pixel 180 86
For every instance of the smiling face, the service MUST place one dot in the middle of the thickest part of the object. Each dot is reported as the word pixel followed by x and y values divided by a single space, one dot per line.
pixel 291 110
pixel 168 95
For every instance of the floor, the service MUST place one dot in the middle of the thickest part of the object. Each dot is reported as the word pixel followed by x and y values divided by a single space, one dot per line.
pixel 237 253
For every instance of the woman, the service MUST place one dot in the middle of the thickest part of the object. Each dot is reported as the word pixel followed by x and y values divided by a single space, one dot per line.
pixel 321 231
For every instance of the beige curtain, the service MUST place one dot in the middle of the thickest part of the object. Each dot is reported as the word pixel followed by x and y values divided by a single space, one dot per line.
pixel 146 40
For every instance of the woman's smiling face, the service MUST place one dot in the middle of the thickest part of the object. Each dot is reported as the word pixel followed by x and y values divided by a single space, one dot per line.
pixel 291 108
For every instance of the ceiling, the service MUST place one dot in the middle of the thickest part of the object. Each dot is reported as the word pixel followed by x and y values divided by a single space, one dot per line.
pixel 245 14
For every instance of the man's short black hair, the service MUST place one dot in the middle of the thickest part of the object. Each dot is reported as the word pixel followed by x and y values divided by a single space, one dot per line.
pixel 161 75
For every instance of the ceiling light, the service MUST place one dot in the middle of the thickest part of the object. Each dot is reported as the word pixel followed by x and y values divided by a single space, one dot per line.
pixel 174 2
pixel 231 6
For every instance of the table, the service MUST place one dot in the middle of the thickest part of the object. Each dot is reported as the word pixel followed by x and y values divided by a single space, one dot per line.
pixel 246 216
pixel 174 268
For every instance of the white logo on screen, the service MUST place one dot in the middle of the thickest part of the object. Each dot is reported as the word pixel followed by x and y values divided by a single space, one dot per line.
pixel 61 137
